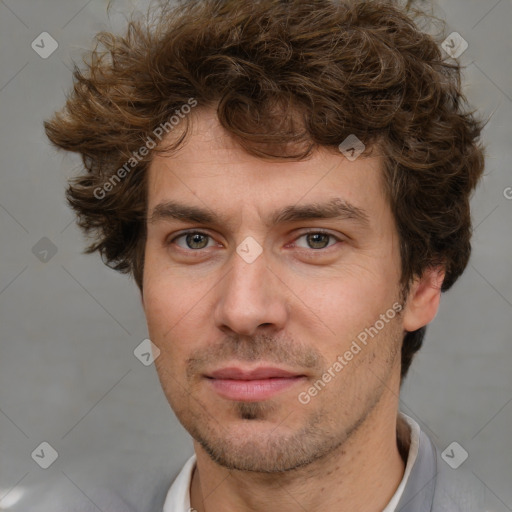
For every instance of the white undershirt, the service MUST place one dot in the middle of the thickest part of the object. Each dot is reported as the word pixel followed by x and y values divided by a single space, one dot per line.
pixel 178 496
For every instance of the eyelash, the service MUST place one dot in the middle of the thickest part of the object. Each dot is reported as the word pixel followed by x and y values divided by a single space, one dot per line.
pixel 312 231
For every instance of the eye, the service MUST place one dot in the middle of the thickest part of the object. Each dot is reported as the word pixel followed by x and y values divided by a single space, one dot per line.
pixel 194 240
pixel 317 240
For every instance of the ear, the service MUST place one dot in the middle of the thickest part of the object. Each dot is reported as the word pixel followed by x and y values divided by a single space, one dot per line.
pixel 423 299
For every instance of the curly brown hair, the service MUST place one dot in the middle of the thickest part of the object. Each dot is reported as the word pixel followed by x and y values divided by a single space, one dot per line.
pixel 285 77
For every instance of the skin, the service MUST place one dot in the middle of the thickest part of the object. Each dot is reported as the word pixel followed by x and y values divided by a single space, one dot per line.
pixel 298 306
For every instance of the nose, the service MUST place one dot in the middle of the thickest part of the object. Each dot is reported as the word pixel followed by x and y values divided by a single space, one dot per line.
pixel 250 297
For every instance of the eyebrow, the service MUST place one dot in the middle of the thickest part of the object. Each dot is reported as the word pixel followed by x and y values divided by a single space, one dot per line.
pixel 336 208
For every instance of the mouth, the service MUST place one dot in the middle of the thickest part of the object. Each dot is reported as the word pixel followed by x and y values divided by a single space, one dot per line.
pixel 261 383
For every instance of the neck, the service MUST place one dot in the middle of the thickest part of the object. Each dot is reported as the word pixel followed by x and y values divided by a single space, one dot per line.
pixel 362 474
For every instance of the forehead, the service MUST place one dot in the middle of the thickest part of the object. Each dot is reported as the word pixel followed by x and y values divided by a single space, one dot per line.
pixel 213 169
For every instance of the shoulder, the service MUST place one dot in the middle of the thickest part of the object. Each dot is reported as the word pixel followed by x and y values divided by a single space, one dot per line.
pixel 435 486
pixel 457 490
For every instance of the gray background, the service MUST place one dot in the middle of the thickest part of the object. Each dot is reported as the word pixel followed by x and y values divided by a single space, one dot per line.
pixel 69 326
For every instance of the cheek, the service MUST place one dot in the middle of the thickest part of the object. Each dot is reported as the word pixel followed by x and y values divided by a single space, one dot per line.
pixel 165 331
pixel 346 302
pixel 344 310
pixel 164 295
pixel 173 311
pixel 166 311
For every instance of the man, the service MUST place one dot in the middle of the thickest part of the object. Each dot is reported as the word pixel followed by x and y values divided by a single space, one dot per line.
pixel 288 182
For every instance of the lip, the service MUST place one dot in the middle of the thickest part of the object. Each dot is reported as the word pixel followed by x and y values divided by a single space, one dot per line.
pixel 253 385
pixel 262 372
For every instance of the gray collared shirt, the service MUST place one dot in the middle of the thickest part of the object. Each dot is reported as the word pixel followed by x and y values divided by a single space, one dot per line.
pixel 434 486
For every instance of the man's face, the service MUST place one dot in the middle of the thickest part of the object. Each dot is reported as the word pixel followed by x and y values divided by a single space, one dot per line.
pixel 215 306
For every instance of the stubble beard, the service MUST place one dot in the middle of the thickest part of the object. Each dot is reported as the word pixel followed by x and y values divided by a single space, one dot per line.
pixel 276 448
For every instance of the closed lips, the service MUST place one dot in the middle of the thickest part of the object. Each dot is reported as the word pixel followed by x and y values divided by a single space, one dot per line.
pixel 255 374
